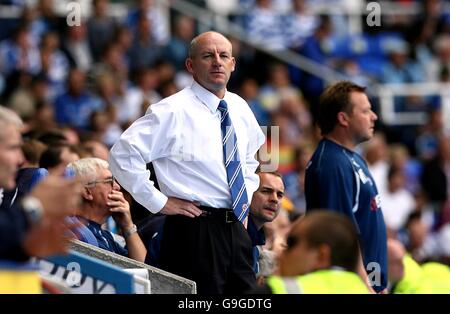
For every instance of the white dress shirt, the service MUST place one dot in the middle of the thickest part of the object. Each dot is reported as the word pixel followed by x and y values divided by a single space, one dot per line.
pixel 181 135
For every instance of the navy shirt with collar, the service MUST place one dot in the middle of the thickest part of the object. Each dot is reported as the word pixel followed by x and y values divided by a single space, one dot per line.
pixel 338 179
pixel 13 228
pixel 258 238
pixel 105 239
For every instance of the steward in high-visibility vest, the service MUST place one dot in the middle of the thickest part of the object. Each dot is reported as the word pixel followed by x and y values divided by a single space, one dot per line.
pixel 325 281
pixel 436 278
pixel 321 256
pixel 427 278
pixel 412 280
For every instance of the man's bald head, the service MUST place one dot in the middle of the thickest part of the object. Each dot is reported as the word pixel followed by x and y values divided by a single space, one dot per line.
pixel 203 37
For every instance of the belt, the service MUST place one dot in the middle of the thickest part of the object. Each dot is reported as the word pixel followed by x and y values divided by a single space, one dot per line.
pixel 223 214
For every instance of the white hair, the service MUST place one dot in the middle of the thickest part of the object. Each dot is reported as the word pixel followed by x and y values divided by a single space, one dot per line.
pixel 87 168
pixel 8 117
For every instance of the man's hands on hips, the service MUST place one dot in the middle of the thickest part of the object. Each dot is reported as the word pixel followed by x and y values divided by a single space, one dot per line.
pixel 176 206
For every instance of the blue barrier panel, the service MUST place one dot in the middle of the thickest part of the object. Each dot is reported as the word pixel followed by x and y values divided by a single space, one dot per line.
pixel 82 271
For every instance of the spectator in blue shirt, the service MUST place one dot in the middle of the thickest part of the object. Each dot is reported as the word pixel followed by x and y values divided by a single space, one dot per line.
pixel 76 105
pixel 264 208
pixel 102 199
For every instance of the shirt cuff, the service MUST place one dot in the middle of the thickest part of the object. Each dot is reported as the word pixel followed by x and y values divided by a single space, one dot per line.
pixel 157 202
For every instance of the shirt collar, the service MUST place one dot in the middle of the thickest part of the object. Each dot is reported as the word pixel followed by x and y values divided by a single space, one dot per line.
pixel 258 237
pixel 206 97
pixel 94 225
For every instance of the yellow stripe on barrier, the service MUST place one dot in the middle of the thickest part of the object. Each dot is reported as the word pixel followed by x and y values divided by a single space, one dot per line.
pixel 20 282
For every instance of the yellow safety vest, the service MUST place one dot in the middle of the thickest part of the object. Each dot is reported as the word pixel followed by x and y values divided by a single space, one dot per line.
pixel 436 278
pixel 412 280
pixel 327 281
pixel 423 279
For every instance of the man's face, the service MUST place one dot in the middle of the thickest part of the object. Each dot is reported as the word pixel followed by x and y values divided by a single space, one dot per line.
pixel 102 187
pixel 11 156
pixel 212 63
pixel 362 119
pixel 266 200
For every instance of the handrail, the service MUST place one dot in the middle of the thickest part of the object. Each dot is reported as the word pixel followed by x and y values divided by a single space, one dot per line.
pixel 387 92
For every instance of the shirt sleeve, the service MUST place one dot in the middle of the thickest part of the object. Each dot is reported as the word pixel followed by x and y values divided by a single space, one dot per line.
pixel 147 139
pixel 337 189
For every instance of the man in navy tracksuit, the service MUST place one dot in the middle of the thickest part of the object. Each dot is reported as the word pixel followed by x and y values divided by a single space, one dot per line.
pixel 337 178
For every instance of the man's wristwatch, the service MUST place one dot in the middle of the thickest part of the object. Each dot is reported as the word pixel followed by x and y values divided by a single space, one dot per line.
pixel 33 209
pixel 130 231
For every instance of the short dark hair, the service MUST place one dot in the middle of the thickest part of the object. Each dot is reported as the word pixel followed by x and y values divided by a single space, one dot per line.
pixel 275 173
pixel 332 229
pixel 32 150
pixel 334 99
pixel 51 157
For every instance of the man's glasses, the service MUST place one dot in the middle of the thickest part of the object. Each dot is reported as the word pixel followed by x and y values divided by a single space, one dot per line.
pixel 109 180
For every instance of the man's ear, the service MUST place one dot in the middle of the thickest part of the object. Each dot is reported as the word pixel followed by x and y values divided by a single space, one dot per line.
pixel 234 64
pixel 323 257
pixel 342 118
pixel 87 194
pixel 188 64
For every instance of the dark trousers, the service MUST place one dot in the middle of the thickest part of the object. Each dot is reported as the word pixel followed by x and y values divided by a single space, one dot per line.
pixel 215 254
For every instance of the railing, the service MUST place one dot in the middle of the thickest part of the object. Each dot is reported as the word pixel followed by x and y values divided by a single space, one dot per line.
pixel 387 93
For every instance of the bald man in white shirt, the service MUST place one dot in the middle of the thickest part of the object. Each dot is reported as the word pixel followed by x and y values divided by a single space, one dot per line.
pixel 202 143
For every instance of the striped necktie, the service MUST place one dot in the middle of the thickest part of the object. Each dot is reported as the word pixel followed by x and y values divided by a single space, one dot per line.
pixel 233 165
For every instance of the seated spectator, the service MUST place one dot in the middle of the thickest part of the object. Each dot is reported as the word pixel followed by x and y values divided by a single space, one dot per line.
pixel 29 174
pixel 321 257
pixel 264 208
pixel 18 53
pixel 100 27
pixel 56 158
pixel 178 47
pixel 152 11
pixel 300 23
pixel 76 104
pixel 96 149
pixel 263 25
pixel 32 150
pixel 76 47
pixel 144 50
pixel 102 199
pixel 398 202
pixel 434 176
pixel 32 225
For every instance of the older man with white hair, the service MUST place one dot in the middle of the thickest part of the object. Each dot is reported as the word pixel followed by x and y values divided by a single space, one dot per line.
pixel 102 199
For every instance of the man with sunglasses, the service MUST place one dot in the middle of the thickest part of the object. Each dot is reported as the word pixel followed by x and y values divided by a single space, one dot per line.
pixel 321 257
pixel 102 199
